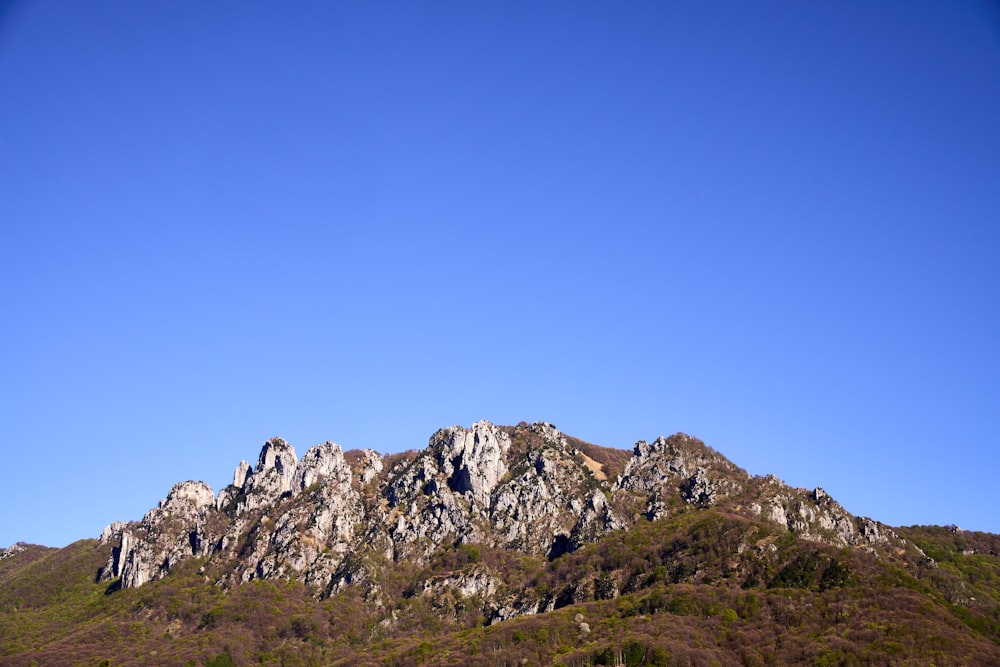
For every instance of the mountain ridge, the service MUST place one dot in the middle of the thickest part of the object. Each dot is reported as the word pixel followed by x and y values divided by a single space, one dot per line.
pixel 528 488
pixel 503 545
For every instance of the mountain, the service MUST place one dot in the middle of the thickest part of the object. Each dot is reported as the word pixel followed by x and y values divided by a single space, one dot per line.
pixel 503 545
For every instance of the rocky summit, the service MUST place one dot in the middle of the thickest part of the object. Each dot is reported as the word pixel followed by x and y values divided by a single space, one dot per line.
pixel 329 517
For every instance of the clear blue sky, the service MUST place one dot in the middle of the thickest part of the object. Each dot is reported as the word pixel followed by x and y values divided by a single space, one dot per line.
pixel 771 225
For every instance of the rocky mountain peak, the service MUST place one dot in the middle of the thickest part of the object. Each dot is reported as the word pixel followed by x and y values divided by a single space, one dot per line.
pixel 188 498
pixel 547 431
pixel 325 518
pixel 275 472
pixel 240 476
pixel 473 460
pixel 324 460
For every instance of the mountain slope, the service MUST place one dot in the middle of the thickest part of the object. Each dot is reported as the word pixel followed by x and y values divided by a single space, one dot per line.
pixel 669 554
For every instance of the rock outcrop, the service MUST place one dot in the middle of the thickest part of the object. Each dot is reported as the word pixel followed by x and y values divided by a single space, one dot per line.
pixel 172 531
pixel 12 550
pixel 814 515
pixel 464 488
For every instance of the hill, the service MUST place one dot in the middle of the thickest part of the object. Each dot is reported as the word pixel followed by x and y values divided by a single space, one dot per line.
pixel 503 545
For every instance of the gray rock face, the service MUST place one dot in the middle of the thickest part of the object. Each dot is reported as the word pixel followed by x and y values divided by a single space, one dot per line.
pixel 111 532
pixel 473 461
pixel 372 466
pixel 817 516
pixel 273 476
pixel 464 489
pixel 320 461
pixel 255 522
pixel 240 476
pixel 288 534
pixel 12 551
pixel 698 489
pixel 680 465
pixel 168 534
pixel 425 511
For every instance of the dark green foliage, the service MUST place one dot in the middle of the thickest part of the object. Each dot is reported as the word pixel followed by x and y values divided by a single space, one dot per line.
pixel 805 571
pixel 835 575
pixel 632 653
pixel 224 659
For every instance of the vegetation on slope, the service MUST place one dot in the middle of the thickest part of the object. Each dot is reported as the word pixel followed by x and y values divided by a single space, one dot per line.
pixel 701 587
pixel 704 583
